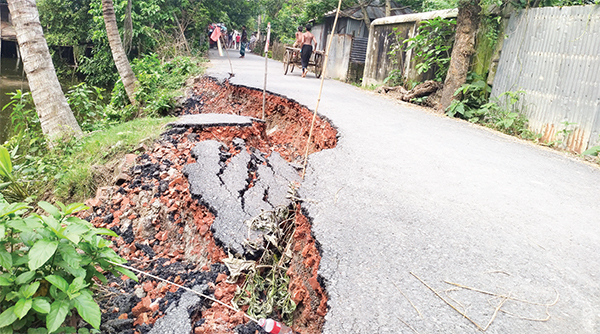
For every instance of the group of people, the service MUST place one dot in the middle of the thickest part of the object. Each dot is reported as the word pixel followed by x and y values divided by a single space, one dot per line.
pixel 305 40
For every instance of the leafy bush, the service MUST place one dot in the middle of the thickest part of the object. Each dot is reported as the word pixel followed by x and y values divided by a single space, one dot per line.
pixel 86 103
pixel 12 189
pixel 48 265
pixel 472 96
pixel 502 113
pixel 26 132
pixel 432 46
pixel 158 83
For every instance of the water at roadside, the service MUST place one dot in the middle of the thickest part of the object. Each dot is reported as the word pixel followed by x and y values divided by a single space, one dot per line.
pixel 11 79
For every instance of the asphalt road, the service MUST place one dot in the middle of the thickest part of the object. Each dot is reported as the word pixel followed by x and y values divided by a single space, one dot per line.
pixel 409 191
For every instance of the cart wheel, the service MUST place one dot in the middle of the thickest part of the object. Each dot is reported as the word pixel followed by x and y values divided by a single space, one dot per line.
pixel 286 61
pixel 294 58
pixel 318 65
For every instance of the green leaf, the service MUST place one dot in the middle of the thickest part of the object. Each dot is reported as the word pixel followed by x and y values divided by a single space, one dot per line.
pixel 37 330
pixel 127 273
pixel 592 151
pixel 13 208
pixel 7 317
pixel 76 285
pixel 22 307
pixel 52 223
pixel 41 305
pixel 56 316
pixel 5 163
pixel 19 259
pixel 18 224
pixel 6 280
pixel 41 252
pixel 105 231
pixel 51 209
pixel 75 271
pixel 2 231
pixel 74 231
pixel 5 259
pixel 7 330
pixel 69 254
pixel 58 282
pixel 25 277
pixel 33 222
pixel 88 309
pixel 75 207
pixel 31 289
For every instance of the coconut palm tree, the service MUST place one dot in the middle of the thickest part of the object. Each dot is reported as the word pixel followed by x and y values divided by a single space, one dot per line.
pixel 56 118
pixel 118 52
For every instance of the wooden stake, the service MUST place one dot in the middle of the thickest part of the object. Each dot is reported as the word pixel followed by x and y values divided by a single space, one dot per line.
pixel 312 124
pixel 266 62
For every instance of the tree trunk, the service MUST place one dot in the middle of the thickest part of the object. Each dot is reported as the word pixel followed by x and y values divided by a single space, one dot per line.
pixel 464 47
pixel 388 8
pixel 56 118
pixel 366 18
pixel 119 56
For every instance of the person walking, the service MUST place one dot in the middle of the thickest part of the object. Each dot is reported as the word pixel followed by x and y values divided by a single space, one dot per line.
pixel 298 42
pixel 244 41
pixel 307 39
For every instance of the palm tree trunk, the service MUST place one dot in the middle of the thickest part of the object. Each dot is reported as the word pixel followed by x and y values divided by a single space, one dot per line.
pixel 56 118
pixel 119 56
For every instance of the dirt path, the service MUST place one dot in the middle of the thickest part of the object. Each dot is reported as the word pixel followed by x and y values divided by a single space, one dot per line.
pixel 407 191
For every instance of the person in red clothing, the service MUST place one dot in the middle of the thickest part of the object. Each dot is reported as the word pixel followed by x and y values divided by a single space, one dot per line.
pixel 237 41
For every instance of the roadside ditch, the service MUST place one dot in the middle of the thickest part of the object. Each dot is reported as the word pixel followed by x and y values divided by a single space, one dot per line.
pixel 205 199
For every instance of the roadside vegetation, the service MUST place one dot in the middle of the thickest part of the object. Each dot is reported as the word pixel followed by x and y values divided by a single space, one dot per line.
pixel 51 261
pixel 433 47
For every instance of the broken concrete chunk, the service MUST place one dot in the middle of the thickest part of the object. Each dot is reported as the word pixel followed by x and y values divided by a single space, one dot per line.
pixel 177 317
pixel 234 194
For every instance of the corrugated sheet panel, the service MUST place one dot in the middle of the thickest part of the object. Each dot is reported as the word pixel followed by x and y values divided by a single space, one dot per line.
pixel 359 49
pixel 553 54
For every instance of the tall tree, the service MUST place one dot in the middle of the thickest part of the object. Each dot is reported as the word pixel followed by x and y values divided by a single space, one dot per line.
pixel 467 24
pixel 56 117
pixel 118 52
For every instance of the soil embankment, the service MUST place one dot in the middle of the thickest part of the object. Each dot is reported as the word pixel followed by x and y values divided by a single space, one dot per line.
pixel 166 229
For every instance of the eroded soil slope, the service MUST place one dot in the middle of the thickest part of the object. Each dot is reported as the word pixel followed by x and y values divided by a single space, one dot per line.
pixel 168 232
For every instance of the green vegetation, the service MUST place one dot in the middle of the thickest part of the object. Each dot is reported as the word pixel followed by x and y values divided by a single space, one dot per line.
pixel 502 113
pixel 432 46
pixel 71 170
pixel 265 289
pixel 48 267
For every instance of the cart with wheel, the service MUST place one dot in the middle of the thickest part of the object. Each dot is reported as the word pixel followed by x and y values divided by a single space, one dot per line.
pixel 291 59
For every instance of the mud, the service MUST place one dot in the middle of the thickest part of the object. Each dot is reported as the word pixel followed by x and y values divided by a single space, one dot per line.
pixel 167 231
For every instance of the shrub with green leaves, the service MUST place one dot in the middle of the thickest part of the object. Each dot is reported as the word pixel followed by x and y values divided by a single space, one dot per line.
pixel 159 82
pixel 432 46
pixel 49 263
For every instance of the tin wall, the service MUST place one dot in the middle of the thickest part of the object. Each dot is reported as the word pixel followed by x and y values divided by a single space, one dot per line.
pixel 553 54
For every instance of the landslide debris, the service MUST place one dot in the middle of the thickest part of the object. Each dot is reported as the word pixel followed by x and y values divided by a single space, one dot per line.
pixel 183 205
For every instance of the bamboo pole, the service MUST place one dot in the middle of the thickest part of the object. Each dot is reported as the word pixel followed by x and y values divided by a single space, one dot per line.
pixel 266 63
pixel 312 124
pixel 231 75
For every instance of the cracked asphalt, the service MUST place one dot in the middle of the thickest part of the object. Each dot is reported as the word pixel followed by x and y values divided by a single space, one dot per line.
pixel 409 191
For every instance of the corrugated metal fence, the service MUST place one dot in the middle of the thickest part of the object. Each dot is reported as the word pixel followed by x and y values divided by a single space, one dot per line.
pixel 553 54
